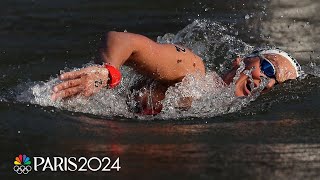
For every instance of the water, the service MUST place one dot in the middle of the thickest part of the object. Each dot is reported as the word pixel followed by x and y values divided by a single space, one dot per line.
pixel 273 136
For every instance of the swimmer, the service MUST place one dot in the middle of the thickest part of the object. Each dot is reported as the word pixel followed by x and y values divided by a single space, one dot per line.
pixel 167 64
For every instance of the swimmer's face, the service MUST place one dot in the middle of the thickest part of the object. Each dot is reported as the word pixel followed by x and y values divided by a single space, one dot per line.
pixel 284 71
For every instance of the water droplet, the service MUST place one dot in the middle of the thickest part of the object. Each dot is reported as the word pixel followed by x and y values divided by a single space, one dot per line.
pixel 247 16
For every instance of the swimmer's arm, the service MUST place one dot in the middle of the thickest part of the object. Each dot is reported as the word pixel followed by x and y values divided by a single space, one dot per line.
pixel 164 62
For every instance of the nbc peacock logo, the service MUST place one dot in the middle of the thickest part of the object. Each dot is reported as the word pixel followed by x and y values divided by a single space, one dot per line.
pixel 22 164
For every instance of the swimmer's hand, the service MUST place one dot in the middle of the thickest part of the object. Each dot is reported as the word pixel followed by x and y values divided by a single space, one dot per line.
pixel 86 82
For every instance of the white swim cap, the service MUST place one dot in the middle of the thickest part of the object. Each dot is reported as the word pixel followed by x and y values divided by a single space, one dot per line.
pixel 280 52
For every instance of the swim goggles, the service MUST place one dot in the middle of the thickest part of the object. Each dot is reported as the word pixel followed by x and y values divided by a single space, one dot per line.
pixel 267 67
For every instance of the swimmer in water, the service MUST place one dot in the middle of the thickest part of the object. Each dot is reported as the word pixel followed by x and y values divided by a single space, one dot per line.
pixel 167 64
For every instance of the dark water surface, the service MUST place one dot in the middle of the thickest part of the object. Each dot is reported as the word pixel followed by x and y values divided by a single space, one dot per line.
pixel 274 137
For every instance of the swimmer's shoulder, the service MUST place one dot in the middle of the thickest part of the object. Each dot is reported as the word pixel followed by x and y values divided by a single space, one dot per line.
pixel 196 61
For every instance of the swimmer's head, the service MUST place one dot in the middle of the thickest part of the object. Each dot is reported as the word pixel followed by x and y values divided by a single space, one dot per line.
pixel 274 64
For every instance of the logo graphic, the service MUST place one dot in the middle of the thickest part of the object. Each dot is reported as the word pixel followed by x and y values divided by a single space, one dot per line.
pixel 22 164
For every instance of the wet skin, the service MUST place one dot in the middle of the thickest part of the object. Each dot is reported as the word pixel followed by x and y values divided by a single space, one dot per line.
pixel 167 64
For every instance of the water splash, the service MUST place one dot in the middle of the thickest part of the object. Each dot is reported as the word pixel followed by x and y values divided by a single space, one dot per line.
pixel 107 102
pixel 210 95
pixel 210 40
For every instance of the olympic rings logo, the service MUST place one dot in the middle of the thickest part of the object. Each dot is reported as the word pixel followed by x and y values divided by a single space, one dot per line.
pixel 21 169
